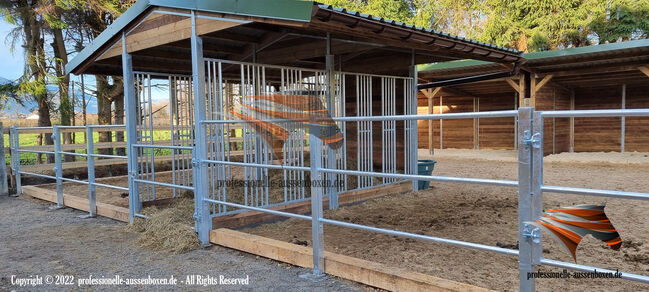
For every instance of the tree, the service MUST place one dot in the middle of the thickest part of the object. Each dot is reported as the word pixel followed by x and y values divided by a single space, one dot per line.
pixel 622 21
pixel 30 26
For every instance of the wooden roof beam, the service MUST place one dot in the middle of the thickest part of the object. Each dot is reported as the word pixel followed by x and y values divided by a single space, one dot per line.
pixel 644 69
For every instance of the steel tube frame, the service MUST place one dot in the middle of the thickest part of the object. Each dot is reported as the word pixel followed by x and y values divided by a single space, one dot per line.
pixel 14 141
pixel 202 208
pixel 448 116
pixel 596 113
pixel 92 190
pixel 58 169
pixel 130 109
pixel 4 184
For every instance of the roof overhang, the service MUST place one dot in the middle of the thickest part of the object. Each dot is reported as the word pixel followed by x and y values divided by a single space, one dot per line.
pixel 283 32
pixel 592 66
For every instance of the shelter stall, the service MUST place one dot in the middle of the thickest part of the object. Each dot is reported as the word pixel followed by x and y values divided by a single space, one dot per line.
pixel 608 76
pixel 355 64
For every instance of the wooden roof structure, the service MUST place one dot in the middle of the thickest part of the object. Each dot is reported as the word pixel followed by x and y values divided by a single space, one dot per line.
pixel 281 32
pixel 573 68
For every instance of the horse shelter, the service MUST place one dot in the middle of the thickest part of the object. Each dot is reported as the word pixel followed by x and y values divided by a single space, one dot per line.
pixel 212 60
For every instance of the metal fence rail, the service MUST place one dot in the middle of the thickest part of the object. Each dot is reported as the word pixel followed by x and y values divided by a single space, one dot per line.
pixel 529 184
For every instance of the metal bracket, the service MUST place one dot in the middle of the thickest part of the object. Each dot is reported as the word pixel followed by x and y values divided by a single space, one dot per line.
pixel 534 140
pixel 314 277
pixel 532 232
pixel 195 162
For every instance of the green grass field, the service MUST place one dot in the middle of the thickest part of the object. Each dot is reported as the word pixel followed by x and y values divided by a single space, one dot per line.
pixel 31 139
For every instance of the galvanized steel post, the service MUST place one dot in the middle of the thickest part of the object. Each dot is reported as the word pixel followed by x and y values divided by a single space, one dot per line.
pixel 58 165
pixel 316 204
pixel 14 142
pixel 90 150
pixel 413 146
pixel 331 153
pixel 4 185
pixel 201 207
pixel 130 109
pixel 530 176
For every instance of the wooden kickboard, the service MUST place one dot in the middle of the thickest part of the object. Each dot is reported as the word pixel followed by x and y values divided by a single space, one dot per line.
pixel 354 269
pixel 79 203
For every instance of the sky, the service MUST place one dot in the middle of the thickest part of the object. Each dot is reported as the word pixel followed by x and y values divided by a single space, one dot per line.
pixel 11 64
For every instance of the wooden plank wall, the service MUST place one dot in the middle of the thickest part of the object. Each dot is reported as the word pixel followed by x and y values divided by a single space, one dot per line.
pixel 598 134
pixel 556 132
pixel 591 134
pixel 497 133
pixel 637 128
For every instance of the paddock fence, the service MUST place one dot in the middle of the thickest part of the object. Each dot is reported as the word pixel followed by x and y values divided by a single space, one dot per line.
pixel 529 184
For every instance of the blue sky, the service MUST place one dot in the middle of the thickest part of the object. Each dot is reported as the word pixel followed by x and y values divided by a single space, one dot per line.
pixel 12 64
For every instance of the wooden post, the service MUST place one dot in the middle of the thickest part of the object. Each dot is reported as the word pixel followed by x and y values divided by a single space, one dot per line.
pixel 522 94
pixel 430 94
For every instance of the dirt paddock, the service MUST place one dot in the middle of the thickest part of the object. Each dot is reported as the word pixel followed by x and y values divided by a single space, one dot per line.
pixel 488 215
pixel 481 214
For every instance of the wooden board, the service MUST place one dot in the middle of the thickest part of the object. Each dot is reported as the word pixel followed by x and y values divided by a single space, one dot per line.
pixel 79 203
pixel 358 270
pixel 254 217
pixel 162 29
pixel 637 128
pixel 598 134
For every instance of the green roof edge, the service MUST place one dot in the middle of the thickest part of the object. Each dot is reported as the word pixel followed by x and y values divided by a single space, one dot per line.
pixel 539 55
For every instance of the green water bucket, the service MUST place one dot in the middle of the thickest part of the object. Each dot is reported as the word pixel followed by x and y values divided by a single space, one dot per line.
pixel 425 167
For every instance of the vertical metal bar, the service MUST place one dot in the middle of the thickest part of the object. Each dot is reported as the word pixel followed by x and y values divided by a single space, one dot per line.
pixel 202 210
pixel 441 123
pixel 172 110
pixel 4 185
pixel 331 153
pixel 413 128
pixel 131 106
pixel 58 168
pixel 316 205
pixel 572 122
pixel 623 125
pixel 515 122
pixel 15 158
pixel 92 189
pixel 478 124
pixel 530 175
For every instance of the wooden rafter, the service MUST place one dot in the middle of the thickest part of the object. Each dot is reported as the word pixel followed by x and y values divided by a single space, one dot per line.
pixel 644 69
pixel 513 84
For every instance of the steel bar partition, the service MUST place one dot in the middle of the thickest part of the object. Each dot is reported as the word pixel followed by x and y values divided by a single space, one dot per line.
pixel 529 184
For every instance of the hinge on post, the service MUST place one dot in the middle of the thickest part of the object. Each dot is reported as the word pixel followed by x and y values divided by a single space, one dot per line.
pixel 534 140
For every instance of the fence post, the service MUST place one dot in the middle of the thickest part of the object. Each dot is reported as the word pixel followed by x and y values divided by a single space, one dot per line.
pixel 92 192
pixel 58 166
pixel 131 107
pixel 201 208
pixel 317 230
pixel 15 158
pixel 530 177
pixel 331 153
pixel 414 135
pixel 4 185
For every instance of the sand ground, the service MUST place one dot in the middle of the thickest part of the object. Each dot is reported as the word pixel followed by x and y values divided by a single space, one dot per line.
pixel 488 215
